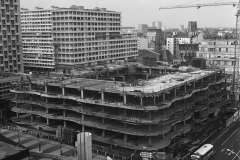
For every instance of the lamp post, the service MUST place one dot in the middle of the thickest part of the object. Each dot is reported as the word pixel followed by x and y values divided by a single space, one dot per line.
pixel 231 151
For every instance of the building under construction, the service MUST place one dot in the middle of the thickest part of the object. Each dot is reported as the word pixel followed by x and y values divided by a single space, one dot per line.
pixel 129 114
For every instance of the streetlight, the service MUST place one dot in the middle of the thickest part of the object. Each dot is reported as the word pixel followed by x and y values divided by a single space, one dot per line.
pixel 231 151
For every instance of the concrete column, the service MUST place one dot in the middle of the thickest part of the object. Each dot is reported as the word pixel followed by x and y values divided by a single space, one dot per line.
pixel 107 74
pixel 175 92
pixel 174 128
pixel 202 81
pixel 117 72
pixel 154 100
pixel 150 71
pixel 31 108
pixel 103 133
pixel 82 96
pixel 63 91
pixel 30 96
pixel 32 117
pixel 16 105
pixel 150 128
pixel 141 101
pixel 30 86
pixel 163 135
pixel 64 113
pixel 215 77
pixel 125 99
pixel 146 76
pixel 47 110
pixel 184 122
pixel 149 141
pixel 123 78
pixel 83 117
pixel 228 97
pixel 125 137
pixel 194 85
pixel 17 115
pixel 46 90
pixel 102 95
pixel 47 121
pixel 185 88
pixel 163 96
pixel 46 100
pixel 96 76
pixel 65 124
pixel 83 128
pixel 103 120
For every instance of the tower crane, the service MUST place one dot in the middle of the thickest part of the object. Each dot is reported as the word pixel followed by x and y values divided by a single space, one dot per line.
pixel 235 76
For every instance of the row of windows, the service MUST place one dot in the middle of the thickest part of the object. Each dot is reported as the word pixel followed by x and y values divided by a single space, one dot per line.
pixel 87 13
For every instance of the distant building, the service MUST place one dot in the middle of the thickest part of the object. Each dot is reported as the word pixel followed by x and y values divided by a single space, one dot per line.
pixel 192 26
pixel 181 28
pixel 156 39
pixel 142 43
pixel 83 37
pixel 163 28
pixel 157 24
pixel 128 32
pixel 143 28
pixel 218 52
pixel 11 58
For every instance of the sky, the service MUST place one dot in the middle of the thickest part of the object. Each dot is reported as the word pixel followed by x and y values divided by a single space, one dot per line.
pixel 136 12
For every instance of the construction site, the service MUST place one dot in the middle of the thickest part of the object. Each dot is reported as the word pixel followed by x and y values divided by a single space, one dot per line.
pixel 127 108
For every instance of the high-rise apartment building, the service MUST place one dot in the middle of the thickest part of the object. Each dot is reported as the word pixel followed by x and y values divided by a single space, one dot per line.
pixel 143 28
pixel 10 38
pixel 82 36
pixel 157 24
pixel 192 26
pixel 181 28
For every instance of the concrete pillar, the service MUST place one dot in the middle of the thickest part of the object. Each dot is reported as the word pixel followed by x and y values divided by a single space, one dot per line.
pixel 103 133
pixel 184 122
pixel 149 128
pixel 175 92
pixel 228 97
pixel 64 113
pixel 103 120
pixel 125 99
pixel 46 90
pixel 17 115
pixel 63 91
pixel 150 71
pixel 30 87
pixel 174 128
pixel 46 100
pixel 202 81
pixel 47 121
pixel 96 76
pixel 83 128
pixel 125 137
pixel 163 135
pixel 107 74
pixel 146 76
pixel 16 105
pixel 31 108
pixel 149 141
pixel 194 85
pixel 83 117
pixel 32 117
pixel 30 96
pixel 102 95
pixel 154 100
pixel 47 110
pixel 65 124
pixel 141 101
pixel 185 88
pixel 117 72
pixel 163 96
pixel 82 96
pixel 215 77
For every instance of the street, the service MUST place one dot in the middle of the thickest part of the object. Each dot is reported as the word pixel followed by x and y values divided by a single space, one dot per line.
pixel 230 140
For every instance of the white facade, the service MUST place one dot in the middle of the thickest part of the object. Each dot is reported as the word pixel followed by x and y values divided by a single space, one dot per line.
pixel 157 24
pixel 142 43
pixel 85 37
pixel 37 39
pixel 219 53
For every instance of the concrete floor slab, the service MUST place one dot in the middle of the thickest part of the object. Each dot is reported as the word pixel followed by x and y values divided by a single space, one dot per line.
pixel 10 135
pixel 21 138
pixel 43 147
pixel 30 143
pixel 57 152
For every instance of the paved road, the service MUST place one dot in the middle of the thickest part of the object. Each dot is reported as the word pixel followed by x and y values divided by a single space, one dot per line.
pixel 230 140
pixel 47 146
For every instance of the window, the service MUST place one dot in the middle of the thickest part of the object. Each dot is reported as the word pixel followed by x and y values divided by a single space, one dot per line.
pixel 226 49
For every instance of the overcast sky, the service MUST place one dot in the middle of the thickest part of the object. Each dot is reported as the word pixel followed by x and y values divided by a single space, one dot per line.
pixel 136 12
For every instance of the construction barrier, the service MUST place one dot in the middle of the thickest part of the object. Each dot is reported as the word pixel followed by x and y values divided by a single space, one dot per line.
pixel 233 118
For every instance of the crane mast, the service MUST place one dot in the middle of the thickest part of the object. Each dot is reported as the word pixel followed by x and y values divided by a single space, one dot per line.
pixel 235 76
